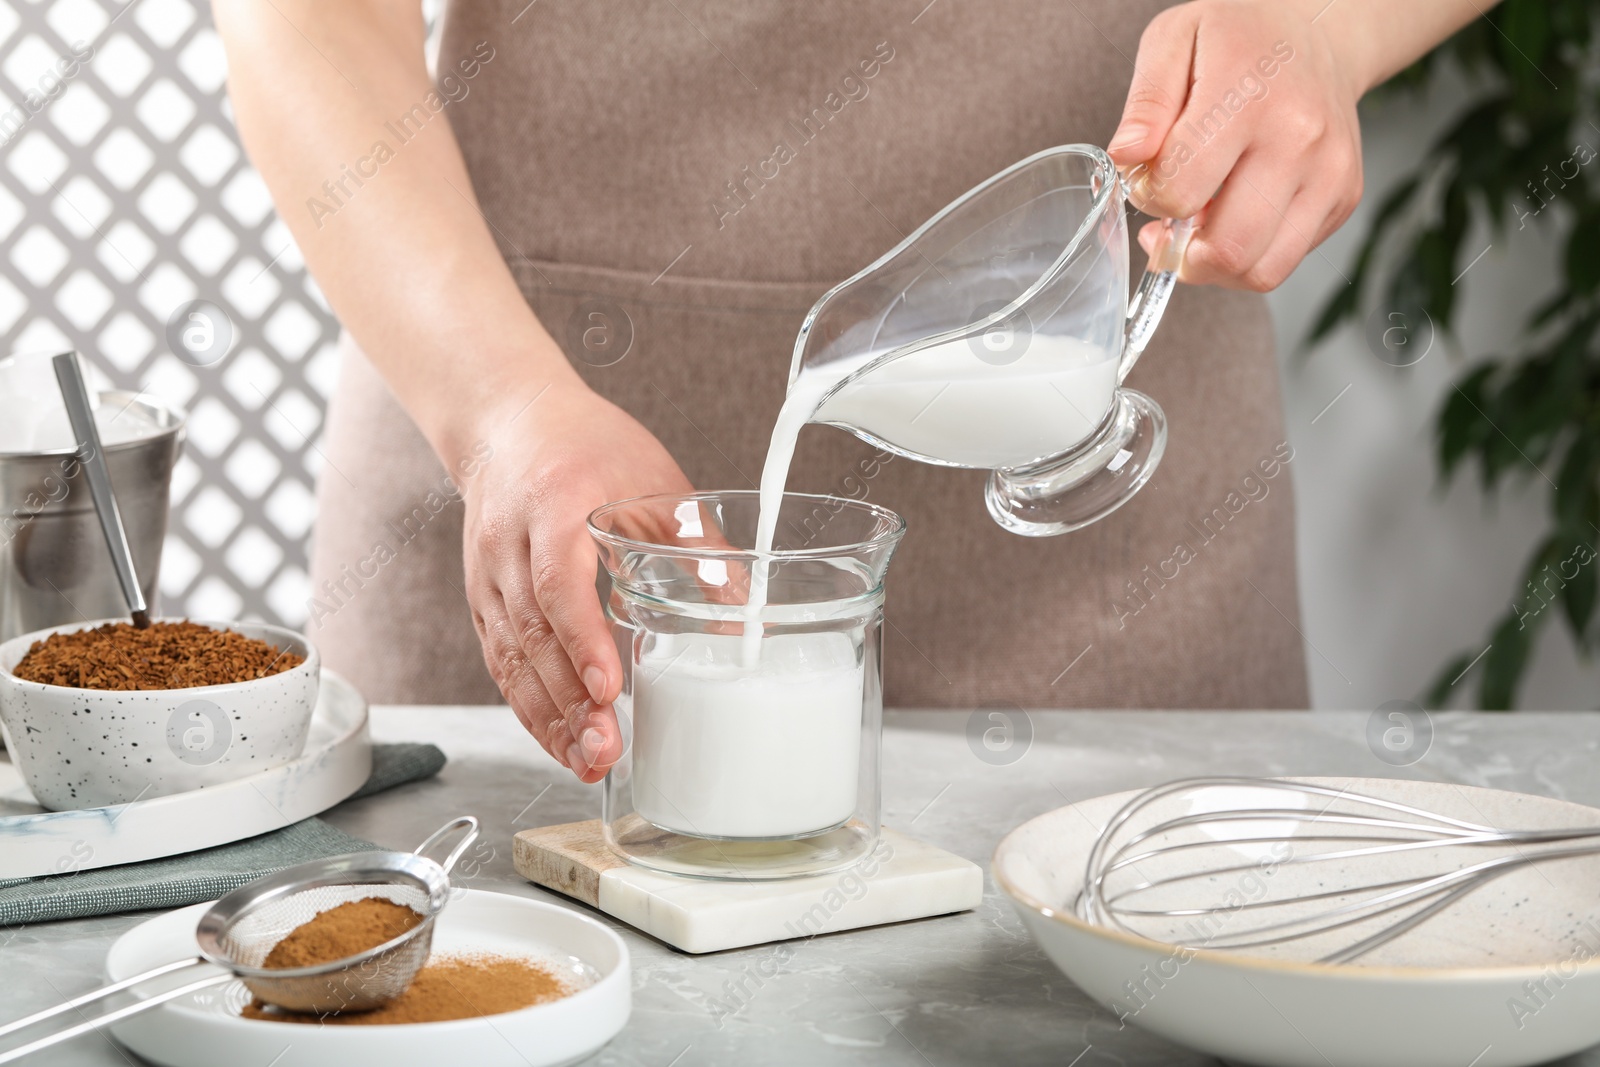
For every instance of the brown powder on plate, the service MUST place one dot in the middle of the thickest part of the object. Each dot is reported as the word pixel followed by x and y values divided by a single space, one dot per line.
pixel 345 930
pixel 458 987
pixel 168 655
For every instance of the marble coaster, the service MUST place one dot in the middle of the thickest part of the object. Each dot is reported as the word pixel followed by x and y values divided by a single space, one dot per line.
pixel 902 879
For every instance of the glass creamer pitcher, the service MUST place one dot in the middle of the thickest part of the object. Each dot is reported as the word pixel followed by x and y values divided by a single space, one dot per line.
pixel 997 336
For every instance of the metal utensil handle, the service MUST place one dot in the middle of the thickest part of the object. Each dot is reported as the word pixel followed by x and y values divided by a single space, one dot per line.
pixel 466 821
pixel 1155 288
pixel 98 994
pixel 110 1016
pixel 69 376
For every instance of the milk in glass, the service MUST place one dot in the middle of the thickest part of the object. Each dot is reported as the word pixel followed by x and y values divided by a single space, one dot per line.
pixel 724 750
pixel 748 735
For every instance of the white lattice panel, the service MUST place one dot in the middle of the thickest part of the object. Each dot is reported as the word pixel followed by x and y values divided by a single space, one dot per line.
pixel 124 195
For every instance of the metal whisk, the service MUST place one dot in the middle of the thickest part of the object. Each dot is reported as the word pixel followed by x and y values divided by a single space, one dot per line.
pixel 1344 872
pixel 240 930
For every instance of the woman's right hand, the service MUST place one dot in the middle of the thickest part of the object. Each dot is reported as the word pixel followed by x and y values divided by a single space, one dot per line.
pixel 531 564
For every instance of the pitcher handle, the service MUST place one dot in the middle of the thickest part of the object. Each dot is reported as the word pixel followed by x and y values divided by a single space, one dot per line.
pixel 1155 288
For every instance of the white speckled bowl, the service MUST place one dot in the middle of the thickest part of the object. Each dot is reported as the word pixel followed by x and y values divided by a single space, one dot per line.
pixel 1506 977
pixel 85 748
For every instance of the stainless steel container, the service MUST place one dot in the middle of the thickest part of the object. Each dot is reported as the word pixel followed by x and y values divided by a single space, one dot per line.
pixel 54 566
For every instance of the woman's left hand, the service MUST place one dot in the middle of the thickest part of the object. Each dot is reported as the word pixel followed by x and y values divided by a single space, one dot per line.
pixel 1246 109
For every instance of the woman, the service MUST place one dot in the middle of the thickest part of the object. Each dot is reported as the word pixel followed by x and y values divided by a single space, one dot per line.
pixel 575 265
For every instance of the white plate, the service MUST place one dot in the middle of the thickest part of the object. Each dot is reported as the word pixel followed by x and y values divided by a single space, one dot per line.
pixel 205 1028
pixel 1508 976
pixel 336 761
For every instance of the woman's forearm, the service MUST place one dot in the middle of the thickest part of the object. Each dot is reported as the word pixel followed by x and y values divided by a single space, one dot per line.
pixel 1380 38
pixel 336 106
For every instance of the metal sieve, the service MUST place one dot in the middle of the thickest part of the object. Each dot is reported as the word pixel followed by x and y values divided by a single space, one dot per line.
pixel 238 931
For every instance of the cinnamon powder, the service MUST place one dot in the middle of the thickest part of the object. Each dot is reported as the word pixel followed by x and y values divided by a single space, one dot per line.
pixel 346 930
pixel 167 655
pixel 458 987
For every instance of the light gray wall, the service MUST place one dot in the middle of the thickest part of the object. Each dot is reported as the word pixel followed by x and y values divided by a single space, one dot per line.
pixel 1397 577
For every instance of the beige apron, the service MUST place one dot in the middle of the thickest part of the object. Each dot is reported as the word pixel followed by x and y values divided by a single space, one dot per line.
pixel 698 172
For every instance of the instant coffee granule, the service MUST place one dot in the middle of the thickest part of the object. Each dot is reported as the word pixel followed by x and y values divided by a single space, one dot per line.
pixel 345 930
pixel 168 655
pixel 456 987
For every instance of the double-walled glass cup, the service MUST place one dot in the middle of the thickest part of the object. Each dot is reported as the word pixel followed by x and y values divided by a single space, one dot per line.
pixel 751 737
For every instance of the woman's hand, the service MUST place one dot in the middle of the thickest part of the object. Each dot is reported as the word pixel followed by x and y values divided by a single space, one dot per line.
pixel 413 272
pixel 1248 106
pixel 530 563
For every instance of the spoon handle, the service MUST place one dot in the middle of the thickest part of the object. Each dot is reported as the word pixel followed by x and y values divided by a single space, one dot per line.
pixel 76 396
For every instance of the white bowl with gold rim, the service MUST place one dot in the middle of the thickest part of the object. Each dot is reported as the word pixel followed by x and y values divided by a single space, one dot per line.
pixel 1507 977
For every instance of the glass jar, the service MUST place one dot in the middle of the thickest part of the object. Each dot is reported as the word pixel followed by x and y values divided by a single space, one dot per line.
pixel 751 733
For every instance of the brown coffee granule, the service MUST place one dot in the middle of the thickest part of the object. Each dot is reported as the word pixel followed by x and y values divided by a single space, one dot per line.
pixel 168 655
pixel 346 930
pixel 459 987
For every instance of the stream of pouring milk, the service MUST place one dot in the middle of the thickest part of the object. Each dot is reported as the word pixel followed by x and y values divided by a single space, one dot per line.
pixel 945 403
pixel 749 736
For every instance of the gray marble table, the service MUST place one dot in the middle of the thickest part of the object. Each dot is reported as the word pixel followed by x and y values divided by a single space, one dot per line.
pixel 961 989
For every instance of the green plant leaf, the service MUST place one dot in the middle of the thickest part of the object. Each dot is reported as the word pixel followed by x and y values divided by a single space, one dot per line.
pixel 1505 662
pixel 1578 598
pixel 1569 21
pixel 1522 150
pixel 1551 309
pixel 1535 407
pixel 1577 497
pixel 1394 203
pixel 1346 302
pixel 1526 25
pixel 1475 143
pixel 1438 694
pixel 1461 425
pixel 1583 256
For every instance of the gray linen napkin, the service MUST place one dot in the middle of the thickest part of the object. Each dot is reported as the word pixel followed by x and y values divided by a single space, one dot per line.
pixel 206 875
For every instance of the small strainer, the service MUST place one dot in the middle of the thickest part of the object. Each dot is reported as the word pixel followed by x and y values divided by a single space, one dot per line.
pixel 238 931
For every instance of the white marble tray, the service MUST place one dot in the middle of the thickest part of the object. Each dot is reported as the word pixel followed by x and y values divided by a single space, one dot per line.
pixel 336 762
pixel 901 879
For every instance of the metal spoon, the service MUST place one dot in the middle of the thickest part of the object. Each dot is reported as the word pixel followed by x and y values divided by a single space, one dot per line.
pixel 76 396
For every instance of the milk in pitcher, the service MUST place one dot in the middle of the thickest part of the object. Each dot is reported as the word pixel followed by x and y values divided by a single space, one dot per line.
pixel 945 404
